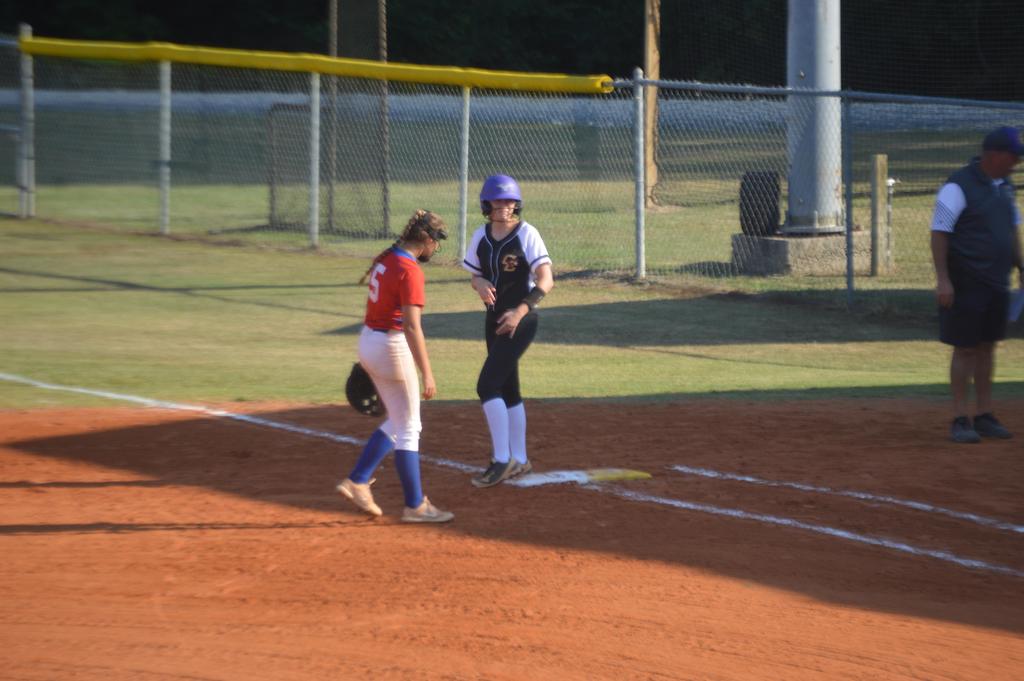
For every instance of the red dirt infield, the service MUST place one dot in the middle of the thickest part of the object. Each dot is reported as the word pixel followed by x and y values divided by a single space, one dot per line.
pixel 149 544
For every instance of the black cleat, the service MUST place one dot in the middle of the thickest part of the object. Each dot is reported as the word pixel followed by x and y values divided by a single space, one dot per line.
pixel 495 473
pixel 961 431
pixel 987 425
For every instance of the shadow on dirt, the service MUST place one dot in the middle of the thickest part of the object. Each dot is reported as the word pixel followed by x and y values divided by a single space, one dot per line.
pixel 885 447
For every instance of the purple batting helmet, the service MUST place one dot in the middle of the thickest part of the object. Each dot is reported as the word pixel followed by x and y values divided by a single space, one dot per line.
pixel 500 187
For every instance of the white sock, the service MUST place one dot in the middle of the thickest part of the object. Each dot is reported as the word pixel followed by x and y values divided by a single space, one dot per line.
pixel 517 432
pixel 497 420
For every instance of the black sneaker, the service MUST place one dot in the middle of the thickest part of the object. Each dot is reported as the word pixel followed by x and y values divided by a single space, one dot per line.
pixel 988 425
pixel 495 473
pixel 962 431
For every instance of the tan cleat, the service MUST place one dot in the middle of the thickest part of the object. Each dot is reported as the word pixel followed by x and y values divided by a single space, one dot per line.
pixel 520 469
pixel 426 513
pixel 360 495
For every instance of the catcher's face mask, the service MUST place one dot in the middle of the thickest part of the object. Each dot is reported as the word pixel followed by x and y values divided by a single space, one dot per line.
pixel 429 250
pixel 436 234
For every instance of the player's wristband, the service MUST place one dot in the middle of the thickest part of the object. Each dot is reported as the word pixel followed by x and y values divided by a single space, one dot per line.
pixel 534 297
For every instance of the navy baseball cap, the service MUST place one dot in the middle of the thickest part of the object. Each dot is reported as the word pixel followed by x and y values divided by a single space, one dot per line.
pixel 1004 139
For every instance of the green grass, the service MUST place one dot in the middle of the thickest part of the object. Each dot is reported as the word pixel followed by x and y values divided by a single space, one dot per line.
pixel 190 321
pixel 588 224
pixel 97 167
pixel 588 227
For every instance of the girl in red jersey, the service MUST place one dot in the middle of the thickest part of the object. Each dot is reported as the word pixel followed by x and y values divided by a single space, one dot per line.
pixel 391 348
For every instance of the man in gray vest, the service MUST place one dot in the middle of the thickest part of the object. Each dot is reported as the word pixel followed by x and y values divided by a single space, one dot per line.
pixel 976 244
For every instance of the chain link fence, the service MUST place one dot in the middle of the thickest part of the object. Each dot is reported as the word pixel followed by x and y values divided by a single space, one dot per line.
pixel 572 154
pixel 10 124
pixel 242 167
pixel 722 201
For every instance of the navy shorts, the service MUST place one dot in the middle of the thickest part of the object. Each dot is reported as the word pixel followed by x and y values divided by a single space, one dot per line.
pixel 978 314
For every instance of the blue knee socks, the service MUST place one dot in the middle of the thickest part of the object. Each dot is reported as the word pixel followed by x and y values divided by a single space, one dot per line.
pixel 407 462
pixel 377 447
pixel 408 465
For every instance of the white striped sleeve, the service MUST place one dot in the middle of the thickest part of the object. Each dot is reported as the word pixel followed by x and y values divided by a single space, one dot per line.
pixel 534 249
pixel 949 204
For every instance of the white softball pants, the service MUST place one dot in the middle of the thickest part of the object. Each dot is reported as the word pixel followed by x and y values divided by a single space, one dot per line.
pixel 388 360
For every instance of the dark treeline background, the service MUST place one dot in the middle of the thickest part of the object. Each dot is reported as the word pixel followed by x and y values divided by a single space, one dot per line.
pixel 957 48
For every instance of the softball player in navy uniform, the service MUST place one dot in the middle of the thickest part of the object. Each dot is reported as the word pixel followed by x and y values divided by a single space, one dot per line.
pixel 511 274
pixel 391 348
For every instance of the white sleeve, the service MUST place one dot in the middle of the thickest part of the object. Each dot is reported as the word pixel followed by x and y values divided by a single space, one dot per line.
pixel 534 249
pixel 471 263
pixel 949 204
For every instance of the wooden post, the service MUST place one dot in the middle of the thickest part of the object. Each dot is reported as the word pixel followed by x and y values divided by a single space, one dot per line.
pixel 652 69
pixel 879 199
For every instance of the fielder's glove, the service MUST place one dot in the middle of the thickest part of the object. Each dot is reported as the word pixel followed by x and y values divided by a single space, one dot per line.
pixel 361 392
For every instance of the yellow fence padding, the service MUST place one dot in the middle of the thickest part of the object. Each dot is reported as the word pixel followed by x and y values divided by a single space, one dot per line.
pixel 315 63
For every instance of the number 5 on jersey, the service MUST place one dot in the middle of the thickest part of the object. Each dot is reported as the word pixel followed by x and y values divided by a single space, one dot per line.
pixel 374 284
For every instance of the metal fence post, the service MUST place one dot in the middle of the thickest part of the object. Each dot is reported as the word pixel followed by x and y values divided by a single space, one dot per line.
pixel 164 162
pixel 27 150
pixel 638 171
pixel 890 243
pixel 464 173
pixel 314 159
pixel 847 135
pixel 385 159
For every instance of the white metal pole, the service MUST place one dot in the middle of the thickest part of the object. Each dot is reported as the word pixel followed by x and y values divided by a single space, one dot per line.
pixel 332 114
pixel 27 150
pixel 464 173
pixel 385 118
pixel 813 137
pixel 314 160
pixel 847 177
pixel 165 147
pixel 638 171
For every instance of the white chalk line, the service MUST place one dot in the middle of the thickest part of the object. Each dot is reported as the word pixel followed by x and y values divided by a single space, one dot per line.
pixel 220 413
pixel 810 527
pixel 854 494
pixel 622 492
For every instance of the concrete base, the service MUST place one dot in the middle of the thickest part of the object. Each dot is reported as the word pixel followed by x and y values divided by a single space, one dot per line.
pixel 823 255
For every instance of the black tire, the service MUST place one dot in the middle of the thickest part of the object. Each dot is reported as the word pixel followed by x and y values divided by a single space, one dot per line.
pixel 759 202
